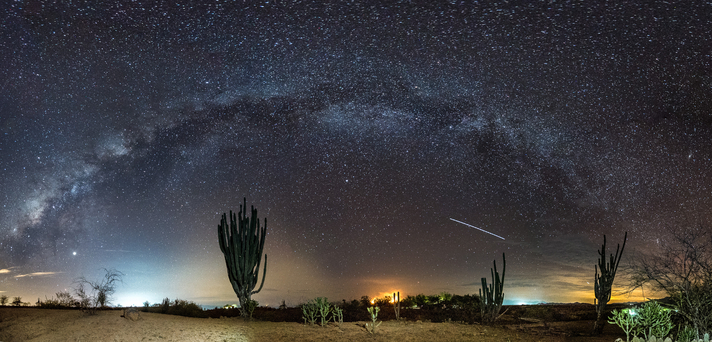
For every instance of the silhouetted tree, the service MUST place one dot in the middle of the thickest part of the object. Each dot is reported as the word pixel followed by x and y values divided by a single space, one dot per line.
pixel 64 298
pixel 383 302
pixel 3 300
pixel 97 294
pixel 365 301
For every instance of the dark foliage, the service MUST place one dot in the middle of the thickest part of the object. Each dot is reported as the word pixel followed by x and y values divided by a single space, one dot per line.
pixel 178 307
pixel 682 269
pixel 165 305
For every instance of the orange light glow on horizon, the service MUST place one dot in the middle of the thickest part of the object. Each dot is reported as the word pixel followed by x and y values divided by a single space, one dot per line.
pixel 387 294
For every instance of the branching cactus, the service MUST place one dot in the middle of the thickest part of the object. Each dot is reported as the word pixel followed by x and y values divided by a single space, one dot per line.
pixel 371 327
pixel 492 297
pixel 654 319
pixel 242 241
pixel 604 282
pixel 626 320
pixel 324 308
pixel 309 310
pixel 337 314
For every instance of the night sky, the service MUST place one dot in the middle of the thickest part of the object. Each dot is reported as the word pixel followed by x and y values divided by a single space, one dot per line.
pixel 359 129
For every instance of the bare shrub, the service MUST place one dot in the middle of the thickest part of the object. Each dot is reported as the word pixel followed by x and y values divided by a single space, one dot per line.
pixel 97 294
pixel 682 269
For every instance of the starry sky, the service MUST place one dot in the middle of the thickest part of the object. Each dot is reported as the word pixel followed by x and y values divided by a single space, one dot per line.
pixel 358 129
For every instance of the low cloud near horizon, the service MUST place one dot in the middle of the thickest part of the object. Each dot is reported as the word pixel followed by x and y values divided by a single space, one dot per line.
pixel 37 274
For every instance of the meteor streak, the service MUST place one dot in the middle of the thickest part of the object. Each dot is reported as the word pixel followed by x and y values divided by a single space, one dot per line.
pixel 480 229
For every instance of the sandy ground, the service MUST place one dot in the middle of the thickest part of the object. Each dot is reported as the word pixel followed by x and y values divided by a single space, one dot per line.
pixel 29 324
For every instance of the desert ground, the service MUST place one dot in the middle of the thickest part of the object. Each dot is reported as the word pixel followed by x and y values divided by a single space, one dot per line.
pixel 33 324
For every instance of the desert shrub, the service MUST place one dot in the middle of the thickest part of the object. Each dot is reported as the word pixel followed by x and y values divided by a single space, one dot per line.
pixel 455 301
pixel 408 302
pixel 694 304
pixel 49 304
pixel 445 298
pixel 433 301
pixel 382 302
pixel 686 334
pixel 543 312
pixel 352 305
pixel 645 322
pixel 421 300
pixel 470 306
pixel 355 310
pixel 178 307
pixel 653 320
pixel 250 307
pixel 365 301
pixel 65 299
pixel 97 294
pixel 682 268
pixel 165 305
pixel 186 308
pixel 85 299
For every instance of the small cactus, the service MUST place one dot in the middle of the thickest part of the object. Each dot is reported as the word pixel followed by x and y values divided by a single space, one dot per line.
pixel 338 315
pixel 651 339
pixel 705 338
pixel 371 327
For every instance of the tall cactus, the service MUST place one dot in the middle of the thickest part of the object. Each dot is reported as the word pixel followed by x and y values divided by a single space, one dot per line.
pixel 604 282
pixel 492 297
pixel 241 243
pixel 396 304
